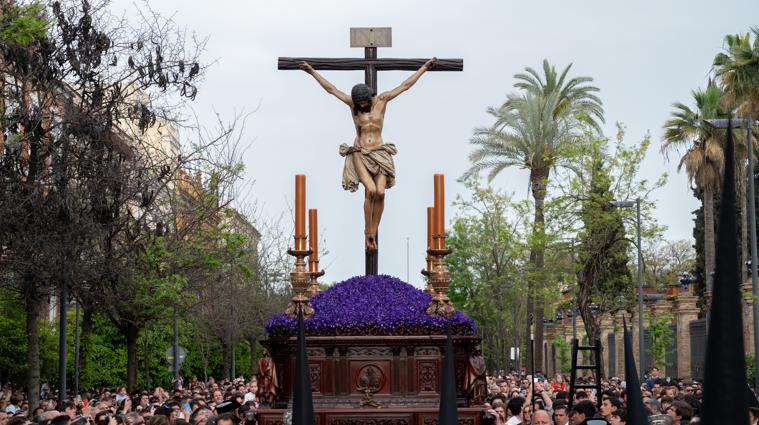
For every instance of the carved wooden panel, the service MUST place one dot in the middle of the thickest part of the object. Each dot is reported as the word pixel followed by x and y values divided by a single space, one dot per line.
pixel 427 351
pixel 359 421
pixel 427 376
pixel 429 420
pixel 317 352
pixel 461 368
pixel 315 376
pixel 373 373
pixel 371 378
pixel 369 352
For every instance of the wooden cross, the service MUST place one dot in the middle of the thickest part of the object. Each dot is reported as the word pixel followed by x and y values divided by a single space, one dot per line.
pixel 370 39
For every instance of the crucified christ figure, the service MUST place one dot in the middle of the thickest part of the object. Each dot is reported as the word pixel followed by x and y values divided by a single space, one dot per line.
pixel 369 161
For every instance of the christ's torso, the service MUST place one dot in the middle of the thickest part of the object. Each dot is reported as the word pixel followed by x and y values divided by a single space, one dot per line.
pixel 369 125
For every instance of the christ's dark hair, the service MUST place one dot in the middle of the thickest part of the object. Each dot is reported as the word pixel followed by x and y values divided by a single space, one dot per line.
pixel 361 93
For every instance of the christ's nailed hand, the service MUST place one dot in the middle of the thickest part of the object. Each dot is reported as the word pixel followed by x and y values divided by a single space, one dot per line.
pixel 306 67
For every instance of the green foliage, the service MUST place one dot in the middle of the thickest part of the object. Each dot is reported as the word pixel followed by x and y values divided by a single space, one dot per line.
pixel 564 348
pixel 661 337
pixel 13 342
pixel 23 24
pixel 737 69
pixel 750 369
pixel 535 129
pixel 666 260
pixel 103 351
pixel 699 270
pixel 603 255
pixel 598 171
pixel 486 278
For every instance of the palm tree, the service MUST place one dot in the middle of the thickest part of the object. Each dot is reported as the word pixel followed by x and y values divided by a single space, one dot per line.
pixel 575 98
pixel 704 159
pixel 532 130
pixel 737 70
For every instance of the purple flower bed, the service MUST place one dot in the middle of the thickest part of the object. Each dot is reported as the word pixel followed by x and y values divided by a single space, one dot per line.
pixel 371 305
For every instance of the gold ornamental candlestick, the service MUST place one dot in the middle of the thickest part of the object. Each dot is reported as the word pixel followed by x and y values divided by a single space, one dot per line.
pixel 313 259
pixel 429 259
pixel 300 279
pixel 439 276
pixel 439 280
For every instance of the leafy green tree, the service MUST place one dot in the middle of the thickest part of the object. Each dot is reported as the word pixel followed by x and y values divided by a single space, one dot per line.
pixel 604 279
pixel 602 170
pixel 563 348
pixel 486 263
pixel 666 260
pixel 533 130
pixel 14 364
pixel 659 327
pixel 23 24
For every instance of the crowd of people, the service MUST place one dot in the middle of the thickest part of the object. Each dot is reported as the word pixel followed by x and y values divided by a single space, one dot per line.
pixel 667 401
pixel 196 403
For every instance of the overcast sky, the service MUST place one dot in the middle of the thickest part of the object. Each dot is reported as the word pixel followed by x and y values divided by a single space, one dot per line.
pixel 643 55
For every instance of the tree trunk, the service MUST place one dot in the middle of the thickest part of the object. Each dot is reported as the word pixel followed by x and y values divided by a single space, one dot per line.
pixel 2 101
pixel 146 360
pixel 518 335
pixel 538 184
pixel 33 313
pixel 709 253
pixel 203 352
pixel 253 357
pixel 85 342
pixel 225 355
pixel 131 332
pixel 742 173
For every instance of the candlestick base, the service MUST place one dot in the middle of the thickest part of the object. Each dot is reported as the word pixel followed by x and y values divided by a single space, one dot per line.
pixel 300 279
pixel 441 306
pixel 299 305
pixel 439 279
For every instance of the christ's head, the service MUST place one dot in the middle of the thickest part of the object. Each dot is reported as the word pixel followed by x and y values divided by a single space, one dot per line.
pixel 362 94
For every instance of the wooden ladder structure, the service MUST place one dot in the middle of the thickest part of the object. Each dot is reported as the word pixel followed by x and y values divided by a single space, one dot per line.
pixel 596 368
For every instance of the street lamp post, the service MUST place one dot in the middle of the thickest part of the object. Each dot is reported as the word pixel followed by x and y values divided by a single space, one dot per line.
pixel 76 351
pixel 62 342
pixel 641 334
pixel 748 123
pixel 175 348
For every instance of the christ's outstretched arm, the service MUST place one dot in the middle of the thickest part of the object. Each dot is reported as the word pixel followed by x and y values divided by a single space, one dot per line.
pixel 410 81
pixel 329 87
